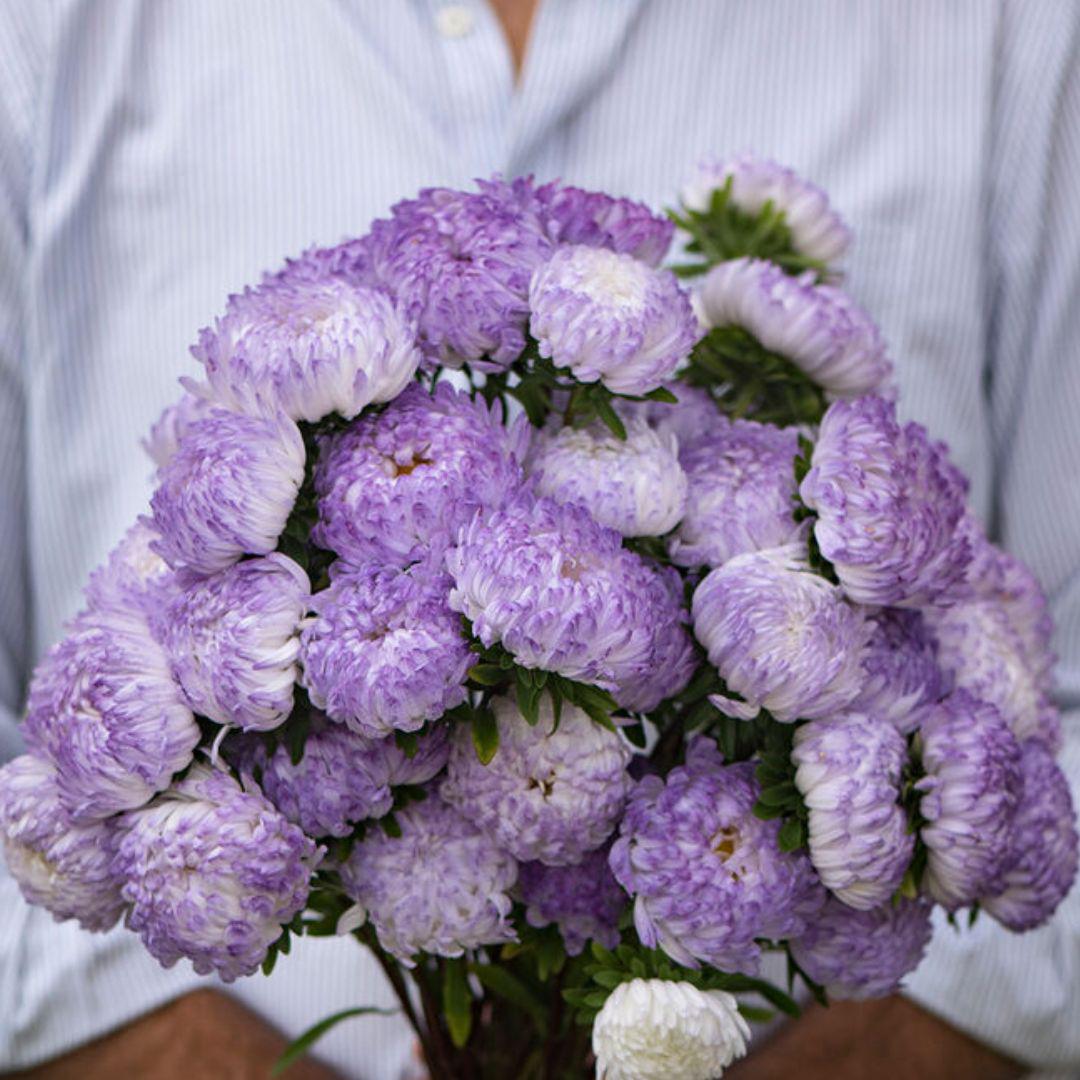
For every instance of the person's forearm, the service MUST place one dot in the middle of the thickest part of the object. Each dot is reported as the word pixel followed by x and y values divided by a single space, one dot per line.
pixel 204 1033
pixel 884 1039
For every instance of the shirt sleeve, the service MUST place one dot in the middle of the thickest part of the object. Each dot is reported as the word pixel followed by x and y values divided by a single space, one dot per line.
pixel 59 986
pixel 1021 993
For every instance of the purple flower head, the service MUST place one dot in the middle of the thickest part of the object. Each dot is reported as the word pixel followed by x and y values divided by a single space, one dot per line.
pixel 849 771
pixel 460 263
pixel 172 426
pixel 593 219
pixel 819 328
pixel 212 872
pixel 782 637
pixel 441 887
pixel 385 651
pixel 551 793
pixel 633 485
pixel 607 316
pixel 228 490
pixel 342 778
pixel 817 230
pixel 1040 867
pixel 306 348
pixel 900 672
pixel 395 484
pixel 58 865
pixel 741 495
pixel 132 576
pixel 562 594
pixel 970 792
pixel 233 639
pixel 693 416
pixel 351 260
pixel 584 901
pixel 856 955
pixel 889 507
pixel 105 710
pixel 708 877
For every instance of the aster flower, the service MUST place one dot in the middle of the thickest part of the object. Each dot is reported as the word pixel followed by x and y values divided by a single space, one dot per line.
pixel 849 771
pixel 856 955
pixel 561 593
pixel 228 490
pixel 584 901
pixel 460 262
pixel 593 219
pixel 969 795
pixel 212 872
pixel 654 1029
pixel 105 710
pixel 819 328
pixel 394 484
pixel 441 887
pixel 782 637
pixel 741 490
pixel 132 575
pixel 817 230
pixel 900 671
pixel 350 260
pixel 889 506
pixel 385 651
pixel 552 792
pixel 693 415
pixel 307 348
pixel 633 485
pixel 607 316
pixel 708 877
pixel 233 639
pixel 172 426
pixel 1040 866
pixel 59 865
pixel 342 778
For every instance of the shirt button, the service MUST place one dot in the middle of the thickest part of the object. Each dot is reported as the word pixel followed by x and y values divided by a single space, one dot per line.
pixel 454 21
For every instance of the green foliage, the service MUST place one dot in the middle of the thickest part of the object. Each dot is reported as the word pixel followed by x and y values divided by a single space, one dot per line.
pixel 457 1001
pixel 303 1043
pixel 779 797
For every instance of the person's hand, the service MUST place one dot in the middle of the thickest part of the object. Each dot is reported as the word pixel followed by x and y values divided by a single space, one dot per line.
pixel 884 1039
pixel 203 1034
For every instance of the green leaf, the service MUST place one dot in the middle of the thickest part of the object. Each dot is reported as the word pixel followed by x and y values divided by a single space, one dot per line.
pixel 457 1002
pixel 500 981
pixel 756 1014
pixel 300 1045
pixel 662 393
pixel 408 742
pixel 609 416
pixel 783 794
pixel 792 835
pixel 487 674
pixel 608 979
pixel 528 698
pixel 767 813
pixel 485 735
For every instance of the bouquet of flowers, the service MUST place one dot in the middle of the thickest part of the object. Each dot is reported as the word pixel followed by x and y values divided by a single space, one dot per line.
pixel 569 631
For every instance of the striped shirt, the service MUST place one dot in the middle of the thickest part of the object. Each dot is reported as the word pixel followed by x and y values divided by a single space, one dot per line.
pixel 156 156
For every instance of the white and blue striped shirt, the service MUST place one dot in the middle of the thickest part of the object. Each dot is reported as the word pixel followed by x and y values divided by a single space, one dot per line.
pixel 155 156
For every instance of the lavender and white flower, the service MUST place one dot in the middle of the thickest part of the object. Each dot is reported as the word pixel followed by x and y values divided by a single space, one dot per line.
pixel 132 575
pixel 782 637
pixel 848 771
pixel 607 316
pixel 172 426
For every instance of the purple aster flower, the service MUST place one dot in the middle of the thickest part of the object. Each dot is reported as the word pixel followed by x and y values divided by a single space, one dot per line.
pixel 593 219
pixel 849 772
pixel 856 955
pixel 708 877
pixel 889 507
pixel 782 637
pixel 228 490
pixel 306 348
pixel 172 426
pixel 342 778
pixel 980 649
pixel 633 485
pixel 58 865
pixel 562 594
pixel 441 887
pixel 105 710
pixel 694 415
pixel 817 230
pixel 819 328
pixel 233 639
pixel 132 576
pixel 607 316
pixel 350 260
pixel 394 484
pixel 900 672
pixel 385 651
pixel 461 262
pixel 970 791
pixel 741 494
pixel 212 872
pixel 552 792
pixel 1040 867
pixel 584 901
